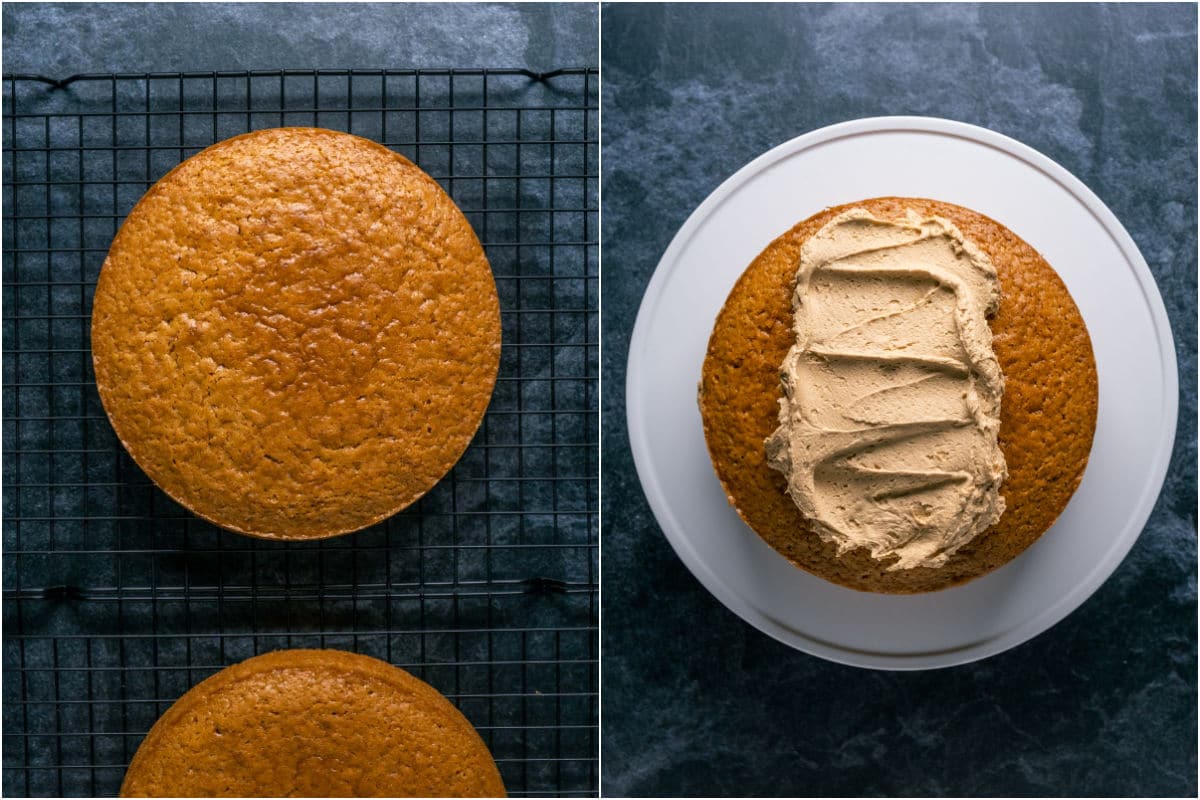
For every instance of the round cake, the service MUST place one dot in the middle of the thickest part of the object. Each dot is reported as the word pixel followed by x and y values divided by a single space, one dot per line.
pixel 1046 419
pixel 312 723
pixel 296 333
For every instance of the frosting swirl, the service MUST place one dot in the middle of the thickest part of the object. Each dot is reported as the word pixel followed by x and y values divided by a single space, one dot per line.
pixel 891 409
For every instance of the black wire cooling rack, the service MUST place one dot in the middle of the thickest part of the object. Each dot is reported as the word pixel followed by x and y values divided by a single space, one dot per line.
pixel 116 600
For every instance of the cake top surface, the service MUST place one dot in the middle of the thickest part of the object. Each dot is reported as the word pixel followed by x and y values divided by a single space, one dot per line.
pixel 1047 418
pixel 296 333
pixel 312 723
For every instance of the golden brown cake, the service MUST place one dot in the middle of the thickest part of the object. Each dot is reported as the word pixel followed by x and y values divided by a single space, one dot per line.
pixel 312 723
pixel 1047 416
pixel 296 333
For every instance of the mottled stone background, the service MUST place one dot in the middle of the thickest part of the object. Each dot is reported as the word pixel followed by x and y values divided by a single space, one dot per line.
pixel 60 39
pixel 697 702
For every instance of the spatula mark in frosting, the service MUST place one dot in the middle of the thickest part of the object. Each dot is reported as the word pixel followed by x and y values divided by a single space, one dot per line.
pixel 889 420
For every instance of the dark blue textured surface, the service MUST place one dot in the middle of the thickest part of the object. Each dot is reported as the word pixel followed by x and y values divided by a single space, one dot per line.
pixel 60 39
pixel 695 700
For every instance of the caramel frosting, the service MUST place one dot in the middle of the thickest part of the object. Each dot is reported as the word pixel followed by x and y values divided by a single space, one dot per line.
pixel 891 409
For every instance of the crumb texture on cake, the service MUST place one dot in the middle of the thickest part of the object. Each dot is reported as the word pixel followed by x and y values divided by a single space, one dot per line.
pixel 1047 418
pixel 296 333
pixel 312 723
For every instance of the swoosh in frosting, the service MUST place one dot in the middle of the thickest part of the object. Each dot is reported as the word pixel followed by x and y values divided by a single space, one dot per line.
pixel 888 424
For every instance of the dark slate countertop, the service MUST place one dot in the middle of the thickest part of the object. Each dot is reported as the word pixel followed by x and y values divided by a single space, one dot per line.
pixel 696 701
pixel 61 39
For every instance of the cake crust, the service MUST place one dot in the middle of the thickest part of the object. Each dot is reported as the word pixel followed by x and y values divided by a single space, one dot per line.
pixel 312 723
pixel 1048 413
pixel 296 333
